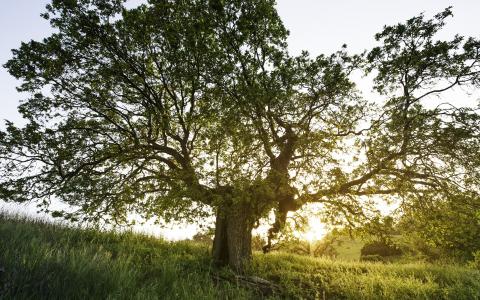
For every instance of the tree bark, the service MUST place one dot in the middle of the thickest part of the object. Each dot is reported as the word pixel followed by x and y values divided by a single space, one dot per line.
pixel 232 244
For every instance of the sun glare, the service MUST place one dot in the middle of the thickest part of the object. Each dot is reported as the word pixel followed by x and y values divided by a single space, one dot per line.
pixel 316 230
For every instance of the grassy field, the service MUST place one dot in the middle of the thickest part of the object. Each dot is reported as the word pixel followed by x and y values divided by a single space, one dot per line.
pixel 348 249
pixel 45 261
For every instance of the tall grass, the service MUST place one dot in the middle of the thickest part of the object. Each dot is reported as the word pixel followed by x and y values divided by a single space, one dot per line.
pixel 39 260
pixel 316 277
pixel 45 261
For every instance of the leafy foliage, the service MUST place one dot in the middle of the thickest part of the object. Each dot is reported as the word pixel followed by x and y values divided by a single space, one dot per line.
pixel 452 226
pixel 380 248
pixel 181 110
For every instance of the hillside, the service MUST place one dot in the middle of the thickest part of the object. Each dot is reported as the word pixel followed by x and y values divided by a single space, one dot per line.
pixel 45 261
pixel 348 249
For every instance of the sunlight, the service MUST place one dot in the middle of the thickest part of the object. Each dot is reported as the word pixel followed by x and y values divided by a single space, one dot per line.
pixel 316 230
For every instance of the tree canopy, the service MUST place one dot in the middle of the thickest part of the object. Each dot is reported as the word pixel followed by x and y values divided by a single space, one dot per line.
pixel 181 109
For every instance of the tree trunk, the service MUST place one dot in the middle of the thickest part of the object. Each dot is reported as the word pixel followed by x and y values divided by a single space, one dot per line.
pixel 232 244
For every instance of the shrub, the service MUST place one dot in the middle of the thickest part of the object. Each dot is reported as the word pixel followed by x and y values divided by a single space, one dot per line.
pixel 380 248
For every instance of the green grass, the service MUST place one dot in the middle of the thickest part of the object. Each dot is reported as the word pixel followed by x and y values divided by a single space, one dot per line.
pixel 348 248
pixel 39 260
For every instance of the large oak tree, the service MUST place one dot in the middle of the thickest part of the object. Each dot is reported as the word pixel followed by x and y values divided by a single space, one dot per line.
pixel 178 109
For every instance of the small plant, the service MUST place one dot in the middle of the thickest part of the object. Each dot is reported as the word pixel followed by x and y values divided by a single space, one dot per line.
pixel 475 263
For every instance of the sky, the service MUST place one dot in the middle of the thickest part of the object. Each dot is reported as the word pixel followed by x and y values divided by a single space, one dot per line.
pixel 322 26
pixel 318 26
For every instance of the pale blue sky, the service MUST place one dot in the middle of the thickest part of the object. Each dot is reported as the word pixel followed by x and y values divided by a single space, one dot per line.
pixel 322 26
